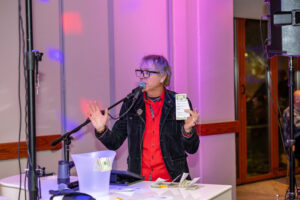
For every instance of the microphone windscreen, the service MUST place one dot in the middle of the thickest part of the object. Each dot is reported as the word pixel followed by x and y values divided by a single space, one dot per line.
pixel 142 84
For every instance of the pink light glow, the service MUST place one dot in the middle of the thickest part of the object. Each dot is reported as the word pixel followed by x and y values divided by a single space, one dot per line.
pixel 84 106
pixel 72 23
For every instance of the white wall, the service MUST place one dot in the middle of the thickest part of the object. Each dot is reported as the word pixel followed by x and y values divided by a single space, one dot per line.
pixel 217 154
pixel 46 36
pixel 204 69
pixel 87 67
pixel 9 110
pixel 9 72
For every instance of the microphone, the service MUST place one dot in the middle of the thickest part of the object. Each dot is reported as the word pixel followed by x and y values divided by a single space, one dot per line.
pixel 142 84
pixel 137 91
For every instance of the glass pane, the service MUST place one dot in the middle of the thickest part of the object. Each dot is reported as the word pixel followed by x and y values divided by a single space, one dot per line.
pixel 283 100
pixel 258 145
pixel 236 86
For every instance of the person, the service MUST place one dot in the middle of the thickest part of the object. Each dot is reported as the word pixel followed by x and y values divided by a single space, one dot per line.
pixel 157 142
pixel 286 124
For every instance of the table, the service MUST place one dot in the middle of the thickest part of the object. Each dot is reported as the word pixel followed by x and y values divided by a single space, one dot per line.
pixel 9 187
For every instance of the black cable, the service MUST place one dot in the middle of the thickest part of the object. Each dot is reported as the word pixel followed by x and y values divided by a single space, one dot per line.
pixel 125 113
pixel 261 36
pixel 286 193
pixel 296 192
pixel 25 176
pixel 21 26
pixel 25 79
pixel 263 43
pixel 134 95
pixel 19 97
pixel 271 89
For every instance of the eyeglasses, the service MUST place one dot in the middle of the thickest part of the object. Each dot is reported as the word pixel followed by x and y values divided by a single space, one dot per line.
pixel 144 73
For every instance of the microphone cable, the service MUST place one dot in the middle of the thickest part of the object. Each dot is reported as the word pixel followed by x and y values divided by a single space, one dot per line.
pixel 136 95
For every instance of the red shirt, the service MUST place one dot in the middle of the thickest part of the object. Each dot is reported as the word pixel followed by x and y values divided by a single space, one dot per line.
pixel 152 161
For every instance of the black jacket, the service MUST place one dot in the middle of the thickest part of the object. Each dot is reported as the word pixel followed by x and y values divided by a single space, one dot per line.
pixel 173 143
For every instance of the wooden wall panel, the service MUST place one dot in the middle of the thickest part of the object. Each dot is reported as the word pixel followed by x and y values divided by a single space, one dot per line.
pixel 10 150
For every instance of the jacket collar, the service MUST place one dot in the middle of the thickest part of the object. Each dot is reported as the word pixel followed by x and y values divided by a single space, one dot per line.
pixel 139 107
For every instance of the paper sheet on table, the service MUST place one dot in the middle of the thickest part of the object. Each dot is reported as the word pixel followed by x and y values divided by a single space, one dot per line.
pixel 158 183
pixel 183 177
pixel 188 184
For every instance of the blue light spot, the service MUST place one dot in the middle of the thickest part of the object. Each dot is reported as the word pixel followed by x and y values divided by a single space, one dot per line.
pixel 55 54
pixel 45 1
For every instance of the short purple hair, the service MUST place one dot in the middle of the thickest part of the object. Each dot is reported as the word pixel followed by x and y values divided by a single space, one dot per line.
pixel 161 64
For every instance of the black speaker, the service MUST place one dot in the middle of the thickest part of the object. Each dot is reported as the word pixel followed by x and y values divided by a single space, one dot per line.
pixel 284 27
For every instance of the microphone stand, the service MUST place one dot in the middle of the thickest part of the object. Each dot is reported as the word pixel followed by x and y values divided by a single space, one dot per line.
pixel 31 67
pixel 87 121
pixel 65 165
pixel 291 140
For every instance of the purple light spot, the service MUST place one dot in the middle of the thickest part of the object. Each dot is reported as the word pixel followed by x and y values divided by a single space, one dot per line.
pixel 55 54
pixel 70 125
pixel 131 5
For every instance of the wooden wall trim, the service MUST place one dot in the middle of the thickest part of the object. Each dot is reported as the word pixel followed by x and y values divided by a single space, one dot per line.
pixel 218 128
pixel 10 150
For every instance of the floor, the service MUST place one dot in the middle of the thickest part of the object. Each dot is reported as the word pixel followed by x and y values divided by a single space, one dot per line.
pixel 265 190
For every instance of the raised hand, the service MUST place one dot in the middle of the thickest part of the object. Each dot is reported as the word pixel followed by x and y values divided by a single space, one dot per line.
pixel 191 121
pixel 97 118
